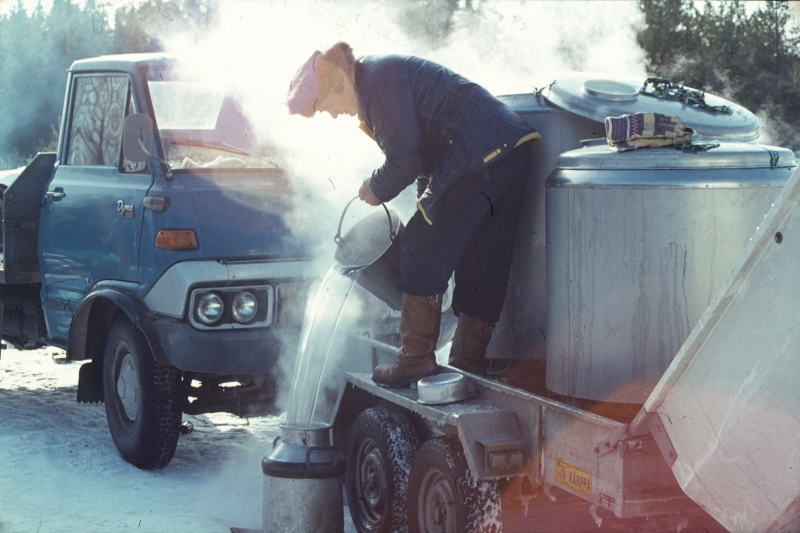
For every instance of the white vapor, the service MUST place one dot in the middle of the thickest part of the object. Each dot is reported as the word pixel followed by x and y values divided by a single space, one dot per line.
pixel 506 46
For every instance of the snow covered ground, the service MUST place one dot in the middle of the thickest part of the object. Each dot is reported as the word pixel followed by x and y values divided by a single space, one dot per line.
pixel 60 471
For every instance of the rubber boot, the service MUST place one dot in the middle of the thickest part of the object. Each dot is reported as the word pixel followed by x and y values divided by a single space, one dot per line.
pixel 420 318
pixel 468 351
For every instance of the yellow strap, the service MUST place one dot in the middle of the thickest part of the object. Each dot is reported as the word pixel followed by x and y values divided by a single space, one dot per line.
pixel 534 138
pixel 424 214
pixel 529 137
pixel 492 155
pixel 365 129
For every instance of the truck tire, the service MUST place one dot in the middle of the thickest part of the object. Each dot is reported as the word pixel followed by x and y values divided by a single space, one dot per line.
pixel 445 498
pixel 379 452
pixel 141 397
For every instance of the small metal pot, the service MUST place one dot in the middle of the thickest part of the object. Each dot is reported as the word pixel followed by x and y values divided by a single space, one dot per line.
pixel 443 388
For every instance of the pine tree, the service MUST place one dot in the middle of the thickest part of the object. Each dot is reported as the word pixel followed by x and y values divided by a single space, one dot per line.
pixel 753 59
pixel 37 48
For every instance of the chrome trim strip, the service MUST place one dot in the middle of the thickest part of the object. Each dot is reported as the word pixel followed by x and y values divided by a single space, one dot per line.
pixel 168 295
pixel 689 178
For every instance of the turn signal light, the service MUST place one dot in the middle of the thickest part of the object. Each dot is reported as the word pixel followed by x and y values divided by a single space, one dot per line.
pixel 176 239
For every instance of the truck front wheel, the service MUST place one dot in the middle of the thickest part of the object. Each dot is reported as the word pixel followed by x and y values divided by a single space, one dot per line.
pixel 141 398
pixel 443 495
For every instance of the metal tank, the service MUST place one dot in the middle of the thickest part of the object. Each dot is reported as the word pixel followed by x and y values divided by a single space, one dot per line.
pixel 520 330
pixel 571 109
pixel 638 243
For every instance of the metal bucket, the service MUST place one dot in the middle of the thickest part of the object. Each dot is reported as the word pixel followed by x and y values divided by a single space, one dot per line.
pixel 373 247
pixel 303 483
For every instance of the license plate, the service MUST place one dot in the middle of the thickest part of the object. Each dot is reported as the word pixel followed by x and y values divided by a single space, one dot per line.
pixel 574 478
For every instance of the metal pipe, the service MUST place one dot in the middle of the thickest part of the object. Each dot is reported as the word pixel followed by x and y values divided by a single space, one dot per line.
pixel 376 344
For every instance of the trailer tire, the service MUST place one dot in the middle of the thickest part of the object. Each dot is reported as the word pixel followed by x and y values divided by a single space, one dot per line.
pixel 141 398
pixel 445 498
pixel 381 445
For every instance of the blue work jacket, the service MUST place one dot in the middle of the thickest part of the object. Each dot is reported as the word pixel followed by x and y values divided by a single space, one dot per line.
pixel 432 123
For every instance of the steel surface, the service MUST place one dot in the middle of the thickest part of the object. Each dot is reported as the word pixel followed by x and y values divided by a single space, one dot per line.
pixel 635 257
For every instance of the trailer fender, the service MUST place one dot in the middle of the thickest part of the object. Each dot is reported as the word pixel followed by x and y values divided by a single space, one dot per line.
pixel 493 443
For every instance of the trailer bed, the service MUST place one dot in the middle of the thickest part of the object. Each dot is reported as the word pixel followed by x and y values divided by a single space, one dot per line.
pixel 581 453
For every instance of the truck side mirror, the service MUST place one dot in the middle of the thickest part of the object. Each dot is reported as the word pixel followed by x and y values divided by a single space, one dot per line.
pixel 137 137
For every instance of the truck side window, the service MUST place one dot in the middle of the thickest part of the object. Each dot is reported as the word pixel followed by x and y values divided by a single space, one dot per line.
pixel 99 106
pixel 129 166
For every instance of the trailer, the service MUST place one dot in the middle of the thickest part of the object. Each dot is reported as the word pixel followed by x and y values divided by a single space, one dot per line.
pixel 644 364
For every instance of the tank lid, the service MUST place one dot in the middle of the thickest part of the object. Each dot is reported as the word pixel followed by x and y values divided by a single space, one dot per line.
pixel 724 155
pixel 599 96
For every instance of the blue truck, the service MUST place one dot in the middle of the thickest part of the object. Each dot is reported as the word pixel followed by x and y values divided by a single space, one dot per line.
pixel 155 246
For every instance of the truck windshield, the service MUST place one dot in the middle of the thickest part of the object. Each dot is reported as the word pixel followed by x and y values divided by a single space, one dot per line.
pixel 186 105
pixel 202 125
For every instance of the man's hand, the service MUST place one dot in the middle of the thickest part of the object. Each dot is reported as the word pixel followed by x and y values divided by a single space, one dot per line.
pixel 365 193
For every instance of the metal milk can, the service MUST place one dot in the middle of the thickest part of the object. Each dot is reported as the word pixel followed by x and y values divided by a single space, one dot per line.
pixel 303 483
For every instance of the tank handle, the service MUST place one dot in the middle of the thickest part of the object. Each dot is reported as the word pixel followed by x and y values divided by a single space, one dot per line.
pixel 338 238
pixel 334 464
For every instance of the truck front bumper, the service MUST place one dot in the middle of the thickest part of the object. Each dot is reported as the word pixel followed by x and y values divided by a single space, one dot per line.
pixel 254 351
pixel 229 348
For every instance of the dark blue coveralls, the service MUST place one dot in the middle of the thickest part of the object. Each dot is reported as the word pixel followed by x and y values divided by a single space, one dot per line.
pixel 471 154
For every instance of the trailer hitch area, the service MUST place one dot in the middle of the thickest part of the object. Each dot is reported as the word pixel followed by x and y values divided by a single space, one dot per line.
pixel 610 441
pixel 597 519
pixel 524 490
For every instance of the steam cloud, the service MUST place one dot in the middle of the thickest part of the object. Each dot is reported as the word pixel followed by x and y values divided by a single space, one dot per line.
pixel 505 46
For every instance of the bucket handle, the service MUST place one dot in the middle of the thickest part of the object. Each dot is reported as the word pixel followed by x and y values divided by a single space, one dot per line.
pixel 334 464
pixel 338 238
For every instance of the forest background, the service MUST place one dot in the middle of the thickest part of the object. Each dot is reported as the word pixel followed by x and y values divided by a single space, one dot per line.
pixel 749 55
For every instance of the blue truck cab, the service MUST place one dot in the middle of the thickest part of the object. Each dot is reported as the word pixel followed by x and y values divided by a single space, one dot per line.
pixel 176 275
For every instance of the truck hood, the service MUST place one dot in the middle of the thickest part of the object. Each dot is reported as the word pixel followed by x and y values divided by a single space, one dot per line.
pixel 247 213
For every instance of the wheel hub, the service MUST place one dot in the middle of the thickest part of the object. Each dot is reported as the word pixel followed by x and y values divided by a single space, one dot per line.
pixel 372 485
pixel 437 500
pixel 127 387
pixel 371 481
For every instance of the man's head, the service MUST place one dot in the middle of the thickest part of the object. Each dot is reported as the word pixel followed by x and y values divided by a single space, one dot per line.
pixel 325 83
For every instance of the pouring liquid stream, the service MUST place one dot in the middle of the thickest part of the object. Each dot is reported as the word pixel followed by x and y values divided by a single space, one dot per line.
pixel 317 337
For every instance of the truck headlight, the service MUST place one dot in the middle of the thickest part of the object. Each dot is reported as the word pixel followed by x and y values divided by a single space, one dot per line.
pixel 232 307
pixel 210 308
pixel 245 307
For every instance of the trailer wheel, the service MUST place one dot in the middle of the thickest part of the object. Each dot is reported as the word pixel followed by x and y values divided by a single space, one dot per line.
pixel 381 446
pixel 445 498
pixel 141 398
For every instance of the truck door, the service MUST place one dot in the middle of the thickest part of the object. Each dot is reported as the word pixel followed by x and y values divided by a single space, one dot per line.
pixel 91 219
